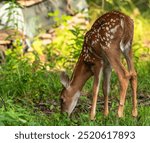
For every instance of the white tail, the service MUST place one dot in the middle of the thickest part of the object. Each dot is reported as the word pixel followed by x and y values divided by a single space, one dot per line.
pixel 110 36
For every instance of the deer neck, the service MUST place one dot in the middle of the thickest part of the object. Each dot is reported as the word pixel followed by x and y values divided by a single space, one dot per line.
pixel 81 74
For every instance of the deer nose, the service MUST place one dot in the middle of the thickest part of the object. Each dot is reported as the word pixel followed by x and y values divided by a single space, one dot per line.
pixel 65 113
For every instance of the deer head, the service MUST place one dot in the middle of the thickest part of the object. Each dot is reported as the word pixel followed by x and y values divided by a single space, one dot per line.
pixel 69 95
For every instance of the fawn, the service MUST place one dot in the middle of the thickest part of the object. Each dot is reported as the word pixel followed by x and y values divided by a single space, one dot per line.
pixel 110 36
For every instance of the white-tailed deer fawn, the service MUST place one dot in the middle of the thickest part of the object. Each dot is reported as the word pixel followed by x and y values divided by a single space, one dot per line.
pixel 110 36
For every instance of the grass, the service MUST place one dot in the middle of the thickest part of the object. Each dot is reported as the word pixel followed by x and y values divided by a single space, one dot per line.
pixel 30 96
pixel 30 89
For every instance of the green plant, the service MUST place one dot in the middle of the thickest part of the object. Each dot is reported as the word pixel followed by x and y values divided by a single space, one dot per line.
pixel 10 11
pixel 59 19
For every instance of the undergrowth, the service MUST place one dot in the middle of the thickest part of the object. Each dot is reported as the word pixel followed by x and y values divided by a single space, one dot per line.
pixel 30 89
pixel 29 95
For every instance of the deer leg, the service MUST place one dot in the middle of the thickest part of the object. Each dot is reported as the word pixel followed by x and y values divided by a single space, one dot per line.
pixel 97 70
pixel 123 89
pixel 133 81
pixel 123 80
pixel 106 86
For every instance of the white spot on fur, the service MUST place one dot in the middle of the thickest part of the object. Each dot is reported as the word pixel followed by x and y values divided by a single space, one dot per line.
pixel 107 34
pixel 107 39
pixel 107 28
pixel 101 39
pixel 113 30
pixel 113 24
pixel 111 20
pixel 108 45
pixel 111 37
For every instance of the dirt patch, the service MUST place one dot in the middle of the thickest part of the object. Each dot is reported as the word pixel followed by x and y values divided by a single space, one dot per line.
pixel 144 99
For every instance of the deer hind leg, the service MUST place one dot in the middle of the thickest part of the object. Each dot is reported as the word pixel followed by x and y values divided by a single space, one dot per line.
pixel 97 71
pixel 123 79
pixel 133 80
pixel 106 85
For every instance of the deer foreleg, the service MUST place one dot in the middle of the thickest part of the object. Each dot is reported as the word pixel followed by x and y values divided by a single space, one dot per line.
pixel 97 70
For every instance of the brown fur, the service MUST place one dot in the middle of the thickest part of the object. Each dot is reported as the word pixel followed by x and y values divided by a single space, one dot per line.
pixel 110 36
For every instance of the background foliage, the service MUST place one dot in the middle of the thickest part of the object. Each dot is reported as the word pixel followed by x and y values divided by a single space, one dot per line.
pixel 30 88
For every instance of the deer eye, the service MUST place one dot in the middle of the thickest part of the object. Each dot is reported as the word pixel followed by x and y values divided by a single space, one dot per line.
pixel 62 100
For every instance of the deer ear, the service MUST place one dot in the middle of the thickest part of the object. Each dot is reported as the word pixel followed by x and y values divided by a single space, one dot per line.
pixel 64 78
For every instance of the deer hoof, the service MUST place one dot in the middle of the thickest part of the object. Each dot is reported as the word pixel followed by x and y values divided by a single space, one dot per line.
pixel 106 113
pixel 120 111
pixel 92 117
pixel 134 113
